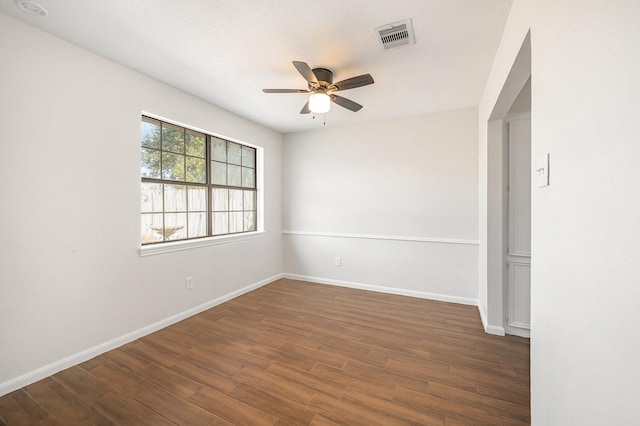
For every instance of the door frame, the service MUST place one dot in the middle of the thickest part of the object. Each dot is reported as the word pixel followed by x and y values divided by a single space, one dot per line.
pixel 511 259
pixel 496 243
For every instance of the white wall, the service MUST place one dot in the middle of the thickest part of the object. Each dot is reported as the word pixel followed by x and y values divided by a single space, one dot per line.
pixel 395 199
pixel 71 278
pixel 585 354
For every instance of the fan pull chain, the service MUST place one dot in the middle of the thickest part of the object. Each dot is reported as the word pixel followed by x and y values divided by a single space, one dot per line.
pixel 324 118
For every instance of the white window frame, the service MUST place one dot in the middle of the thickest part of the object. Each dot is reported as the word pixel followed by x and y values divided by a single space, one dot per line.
pixel 187 244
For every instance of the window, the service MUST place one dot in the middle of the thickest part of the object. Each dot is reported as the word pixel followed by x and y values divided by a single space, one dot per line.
pixel 194 185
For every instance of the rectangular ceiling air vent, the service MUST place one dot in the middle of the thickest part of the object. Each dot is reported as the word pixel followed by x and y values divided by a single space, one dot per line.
pixel 396 35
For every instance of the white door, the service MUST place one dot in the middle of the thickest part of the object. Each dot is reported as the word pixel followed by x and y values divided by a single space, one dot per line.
pixel 518 259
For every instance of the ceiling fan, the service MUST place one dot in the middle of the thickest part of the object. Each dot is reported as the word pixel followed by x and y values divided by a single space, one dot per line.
pixel 321 86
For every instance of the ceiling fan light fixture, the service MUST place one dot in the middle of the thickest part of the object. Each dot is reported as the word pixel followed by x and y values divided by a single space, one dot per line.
pixel 319 103
pixel 322 89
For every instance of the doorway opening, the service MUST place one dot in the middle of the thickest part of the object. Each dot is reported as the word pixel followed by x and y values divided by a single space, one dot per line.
pixel 508 201
pixel 517 196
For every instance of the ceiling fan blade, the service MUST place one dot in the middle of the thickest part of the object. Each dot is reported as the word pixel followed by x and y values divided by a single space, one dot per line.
pixel 285 91
pixel 306 71
pixel 305 109
pixel 353 82
pixel 346 103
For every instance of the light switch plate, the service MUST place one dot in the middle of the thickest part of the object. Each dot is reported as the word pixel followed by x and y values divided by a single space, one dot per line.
pixel 541 171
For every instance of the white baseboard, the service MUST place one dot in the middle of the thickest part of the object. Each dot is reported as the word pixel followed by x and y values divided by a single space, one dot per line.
pixel 389 290
pixel 80 357
pixel 489 329
pixel 517 331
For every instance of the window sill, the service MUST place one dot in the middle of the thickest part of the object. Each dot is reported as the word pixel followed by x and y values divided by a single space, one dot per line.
pixel 160 248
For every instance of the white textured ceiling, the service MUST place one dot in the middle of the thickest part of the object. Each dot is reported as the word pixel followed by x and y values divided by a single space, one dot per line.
pixel 226 51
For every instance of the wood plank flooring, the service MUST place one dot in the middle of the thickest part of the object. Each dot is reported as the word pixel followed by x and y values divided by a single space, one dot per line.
pixel 296 353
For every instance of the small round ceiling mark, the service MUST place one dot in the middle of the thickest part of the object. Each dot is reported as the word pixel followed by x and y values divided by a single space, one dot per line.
pixel 31 8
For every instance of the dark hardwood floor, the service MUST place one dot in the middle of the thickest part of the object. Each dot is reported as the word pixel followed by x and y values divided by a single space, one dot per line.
pixel 294 353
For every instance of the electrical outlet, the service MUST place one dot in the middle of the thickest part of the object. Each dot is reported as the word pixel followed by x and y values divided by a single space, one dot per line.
pixel 338 261
pixel 189 283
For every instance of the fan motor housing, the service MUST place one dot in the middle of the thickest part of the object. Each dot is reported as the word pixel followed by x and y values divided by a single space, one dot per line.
pixel 324 76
